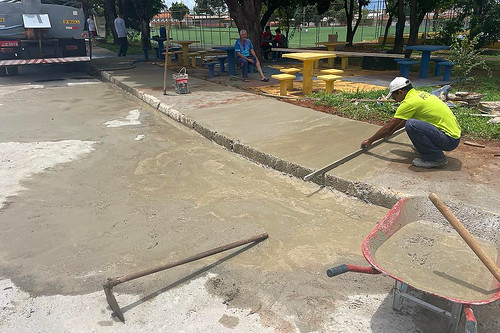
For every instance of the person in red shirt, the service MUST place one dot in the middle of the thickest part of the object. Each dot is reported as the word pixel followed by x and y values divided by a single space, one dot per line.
pixel 265 40
pixel 277 42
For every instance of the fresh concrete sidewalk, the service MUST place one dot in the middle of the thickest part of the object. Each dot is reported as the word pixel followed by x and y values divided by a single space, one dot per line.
pixel 296 140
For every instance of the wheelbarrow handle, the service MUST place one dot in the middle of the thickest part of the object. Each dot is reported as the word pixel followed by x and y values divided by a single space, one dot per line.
pixel 471 323
pixel 341 269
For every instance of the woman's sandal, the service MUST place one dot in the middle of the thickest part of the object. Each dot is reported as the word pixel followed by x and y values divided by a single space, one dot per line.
pixel 266 79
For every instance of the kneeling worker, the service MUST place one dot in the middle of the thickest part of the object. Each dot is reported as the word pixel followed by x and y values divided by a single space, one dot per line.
pixel 428 121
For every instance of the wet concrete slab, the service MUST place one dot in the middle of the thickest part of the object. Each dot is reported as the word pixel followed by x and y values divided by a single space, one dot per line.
pixel 311 139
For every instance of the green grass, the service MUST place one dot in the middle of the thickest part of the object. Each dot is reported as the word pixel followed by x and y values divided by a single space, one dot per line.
pixel 472 127
pixel 483 84
pixel 134 47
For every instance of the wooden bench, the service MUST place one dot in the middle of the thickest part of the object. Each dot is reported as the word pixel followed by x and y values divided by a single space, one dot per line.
pixel 284 82
pixel 332 71
pixel 447 69
pixel 290 71
pixel 329 80
pixel 404 67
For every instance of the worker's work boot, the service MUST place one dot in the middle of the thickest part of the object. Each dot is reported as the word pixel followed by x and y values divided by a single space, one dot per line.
pixel 430 164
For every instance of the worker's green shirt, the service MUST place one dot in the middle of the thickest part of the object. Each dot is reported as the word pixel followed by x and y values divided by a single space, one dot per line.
pixel 427 107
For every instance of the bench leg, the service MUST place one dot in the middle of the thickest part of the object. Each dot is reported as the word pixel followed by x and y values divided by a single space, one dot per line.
pixel 283 86
pixel 404 71
pixel 344 62
pixel 222 68
pixel 437 71
pixel 193 62
pixel 447 74
pixel 329 87
pixel 316 64
pixel 169 60
pixel 289 84
pixel 211 71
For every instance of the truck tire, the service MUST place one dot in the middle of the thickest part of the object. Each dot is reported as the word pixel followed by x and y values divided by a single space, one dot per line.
pixel 12 70
pixel 3 71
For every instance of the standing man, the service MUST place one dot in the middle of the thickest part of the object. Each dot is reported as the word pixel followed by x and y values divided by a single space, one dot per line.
pixel 92 28
pixel 121 31
pixel 245 54
pixel 429 123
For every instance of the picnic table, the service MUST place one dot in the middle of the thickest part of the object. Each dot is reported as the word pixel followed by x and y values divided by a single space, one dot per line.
pixel 426 56
pixel 331 47
pixel 185 49
pixel 231 68
pixel 307 66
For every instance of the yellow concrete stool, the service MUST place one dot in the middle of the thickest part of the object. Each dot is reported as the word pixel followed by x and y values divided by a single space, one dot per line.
pixel 193 56
pixel 329 80
pixel 344 61
pixel 284 82
pixel 179 55
pixel 332 71
pixel 168 57
pixel 290 71
pixel 202 56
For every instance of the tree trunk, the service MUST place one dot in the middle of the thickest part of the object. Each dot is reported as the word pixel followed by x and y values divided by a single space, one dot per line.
pixel 387 26
pixel 349 14
pixel 400 27
pixel 142 11
pixel 245 16
pixel 416 19
pixel 360 15
pixel 110 15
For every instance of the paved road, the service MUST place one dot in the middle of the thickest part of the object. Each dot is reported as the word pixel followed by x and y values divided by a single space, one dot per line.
pixel 95 184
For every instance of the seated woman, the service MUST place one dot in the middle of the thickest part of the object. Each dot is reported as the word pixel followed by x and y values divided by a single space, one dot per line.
pixel 245 55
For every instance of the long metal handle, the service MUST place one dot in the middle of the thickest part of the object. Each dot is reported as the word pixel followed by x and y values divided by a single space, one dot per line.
pixel 351 156
pixel 467 237
pixel 115 281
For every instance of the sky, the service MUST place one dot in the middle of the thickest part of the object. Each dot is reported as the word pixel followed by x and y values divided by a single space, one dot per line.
pixel 189 3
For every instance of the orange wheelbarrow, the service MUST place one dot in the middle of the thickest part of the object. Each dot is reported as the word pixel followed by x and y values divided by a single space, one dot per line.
pixel 415 245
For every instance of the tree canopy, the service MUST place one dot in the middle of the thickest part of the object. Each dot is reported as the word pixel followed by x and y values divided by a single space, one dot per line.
pixel 178 10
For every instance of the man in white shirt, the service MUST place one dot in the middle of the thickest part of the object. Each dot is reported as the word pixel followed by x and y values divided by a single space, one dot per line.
pixel 92 28
pixel 121 31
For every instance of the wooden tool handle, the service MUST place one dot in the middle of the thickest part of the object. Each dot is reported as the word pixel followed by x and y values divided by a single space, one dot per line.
pixel 111 282
pixel 467 237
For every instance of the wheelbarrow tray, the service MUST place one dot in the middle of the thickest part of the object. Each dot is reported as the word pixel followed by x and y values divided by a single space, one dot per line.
pixel 482 288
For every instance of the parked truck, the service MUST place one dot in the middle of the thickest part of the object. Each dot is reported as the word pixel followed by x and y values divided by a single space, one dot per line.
pixel 41 32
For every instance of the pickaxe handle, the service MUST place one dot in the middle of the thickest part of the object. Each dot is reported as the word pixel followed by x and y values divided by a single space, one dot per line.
pixel 111 282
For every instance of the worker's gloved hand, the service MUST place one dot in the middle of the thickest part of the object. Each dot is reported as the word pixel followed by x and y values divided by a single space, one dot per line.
pixel 365 144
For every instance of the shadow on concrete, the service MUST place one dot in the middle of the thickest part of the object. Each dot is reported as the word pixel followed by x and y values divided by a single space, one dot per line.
pixel 184 279
pixel 387 320
pixel 454 164
pixel 406 156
